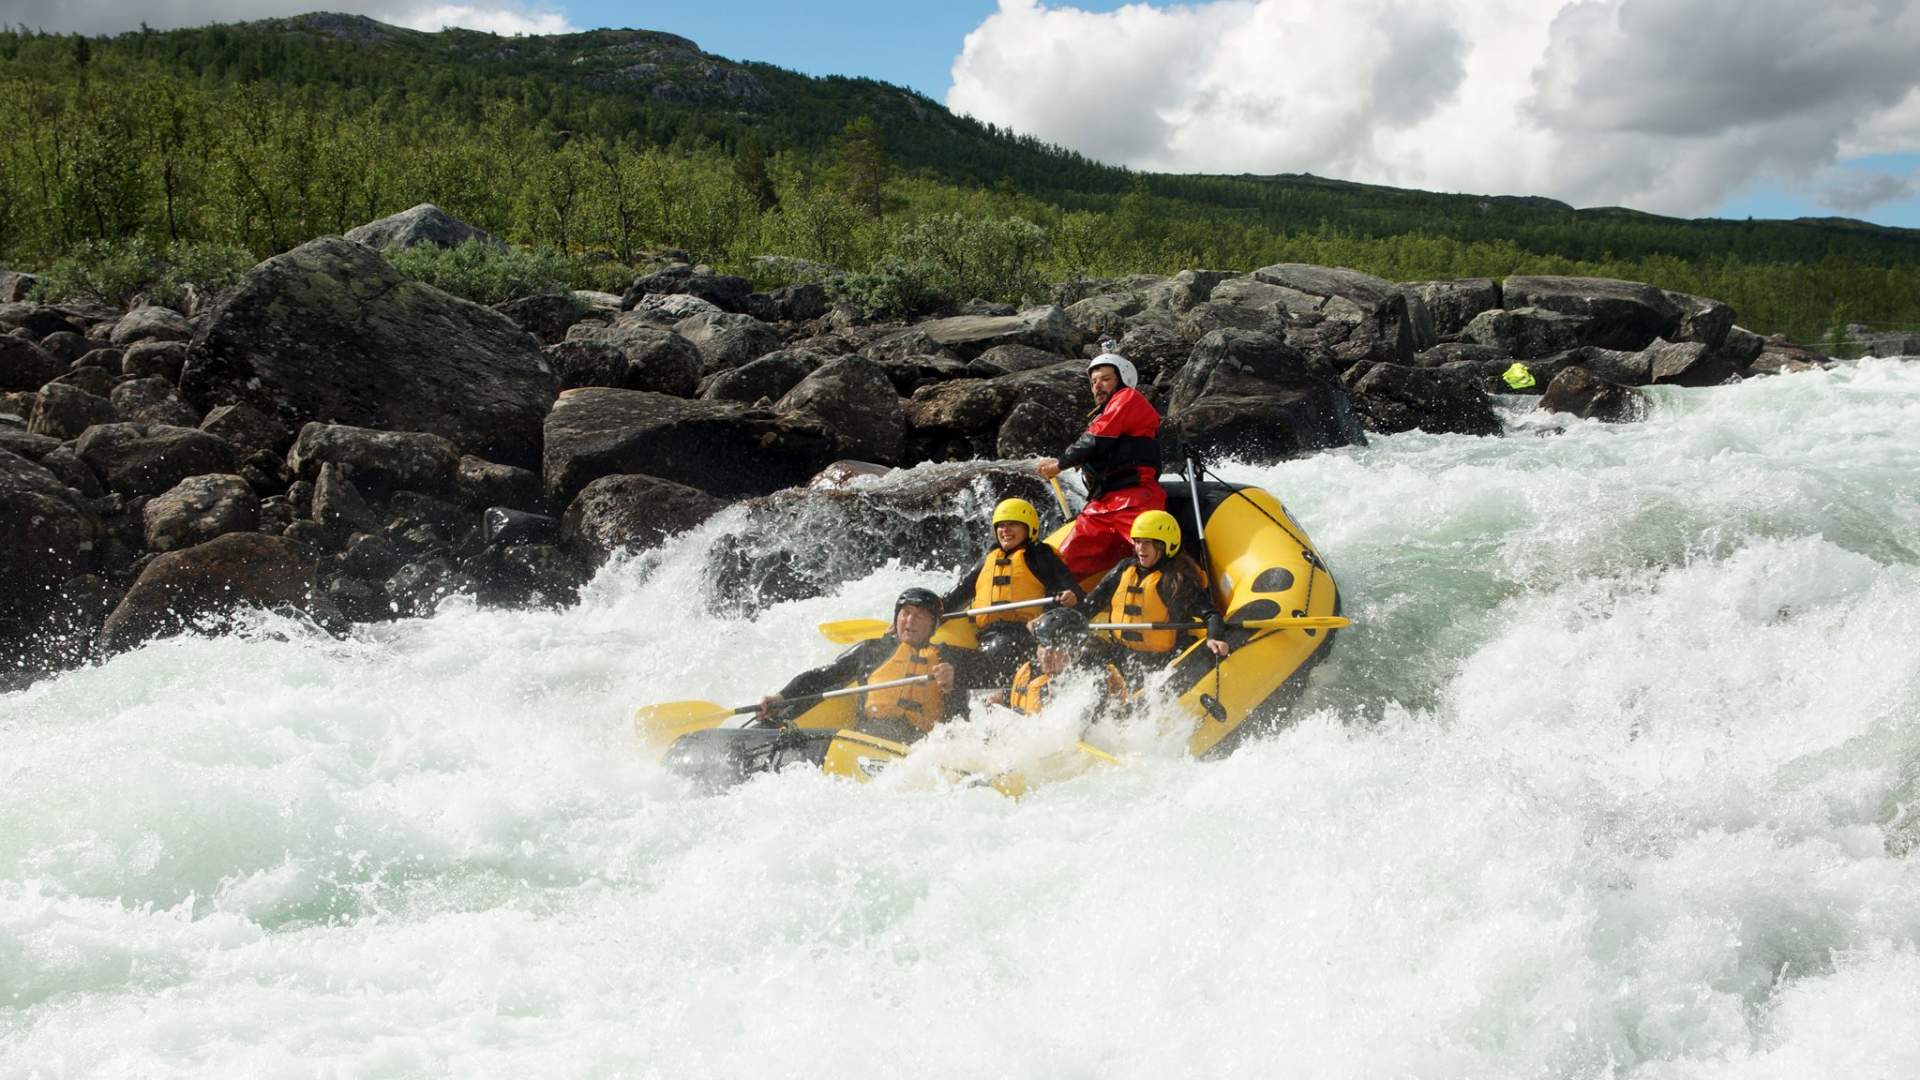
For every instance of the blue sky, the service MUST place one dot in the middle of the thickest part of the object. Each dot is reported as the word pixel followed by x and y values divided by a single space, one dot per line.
pixel 1729 108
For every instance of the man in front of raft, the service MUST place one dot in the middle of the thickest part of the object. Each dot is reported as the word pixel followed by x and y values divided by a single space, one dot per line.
pixel 900 713
pixel 1119 455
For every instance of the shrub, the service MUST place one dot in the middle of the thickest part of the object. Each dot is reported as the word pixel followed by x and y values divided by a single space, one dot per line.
pixel 969 257
pixel 115 272
pixel 483 274
pixel 896 288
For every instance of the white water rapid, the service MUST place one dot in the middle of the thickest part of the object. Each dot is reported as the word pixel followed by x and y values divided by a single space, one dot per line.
pixel 1617 774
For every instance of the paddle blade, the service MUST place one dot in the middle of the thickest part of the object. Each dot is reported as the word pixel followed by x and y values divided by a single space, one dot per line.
pixel 848 631
pixel 659 726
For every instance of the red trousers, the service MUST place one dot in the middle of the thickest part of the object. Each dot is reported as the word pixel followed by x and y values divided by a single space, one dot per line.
pixel 1099 538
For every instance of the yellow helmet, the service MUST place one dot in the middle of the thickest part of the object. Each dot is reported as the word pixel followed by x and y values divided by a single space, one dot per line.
pixel 1158 525
pixel 1019 510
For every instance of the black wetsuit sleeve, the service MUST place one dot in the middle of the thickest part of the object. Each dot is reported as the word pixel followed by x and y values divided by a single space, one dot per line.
pixel 1102 594
pixel 960 597
pixel 848 666
pixel 1089 449
pixel 1052 572
pixel 968 674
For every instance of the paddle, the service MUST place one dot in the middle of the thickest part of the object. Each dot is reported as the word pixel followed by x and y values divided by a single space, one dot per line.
pixel 1298 622
pixel 660 725
pixel 1061 496
pixel 848 631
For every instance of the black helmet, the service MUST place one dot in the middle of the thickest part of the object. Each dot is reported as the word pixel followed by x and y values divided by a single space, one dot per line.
pixel 1060 627
pixel 920 598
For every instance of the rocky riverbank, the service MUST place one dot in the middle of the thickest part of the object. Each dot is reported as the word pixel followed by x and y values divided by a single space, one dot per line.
pixel 333 437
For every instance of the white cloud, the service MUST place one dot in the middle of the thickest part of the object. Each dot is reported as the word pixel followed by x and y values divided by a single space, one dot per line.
pixel 1665 105
pixel 115 16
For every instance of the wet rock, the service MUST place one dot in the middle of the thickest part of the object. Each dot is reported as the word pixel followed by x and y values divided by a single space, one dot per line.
pixel 25 365
pixel 1392 398
pixel 483 483
pixel 1576 390
pixel 331 332
pixel 1686 363
pixel 1704 320
pixel 933 515
pixel 266 473
pixel 64 411
pixel 382 461
pixel 338 503
pixel 47 534
pixel 1251 396
pixel 417 588
pixel 202 585
pixel 1780 359
pixel 1742 346
pixel 720 447
pixel 852 398
pixel 152 401
pixel 524 574
pixel 1613 314
pixel 411 513
pixel 422 224
pixel 151 323
pixel 630 512
pixel 198 509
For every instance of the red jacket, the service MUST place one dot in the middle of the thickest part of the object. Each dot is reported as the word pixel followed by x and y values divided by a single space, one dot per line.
pixel 1121 447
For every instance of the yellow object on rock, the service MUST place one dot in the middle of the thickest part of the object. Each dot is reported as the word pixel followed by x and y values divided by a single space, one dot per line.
pixel 1518 376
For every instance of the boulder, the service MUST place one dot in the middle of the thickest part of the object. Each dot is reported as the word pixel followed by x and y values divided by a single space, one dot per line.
pixel 911 343
pixel 483 484
pixel 1372 312
pixel 1391 398
pixel 766 379
pixel 330 332
pixel 630 512
pixel 1613 314
pixel 1686 363
pixel 720 447
pixel 248 430
pixel 19 440
pixel 803 302
pixel 1453 304
pixel 650 358
pixel 967 418
pixel 151 323
pixel 1741 346
pixel 15 285
pixel 1777 358
pixel 91 379
pixel 67 346
pixel 111 359
pixel 38 320
pixel 198 509
pixel 423 224
pixel 1034 430
pixel 852 398
pixel 1449 352
pixel 1156 352
pixel 1704 320
pixel 1251 396
pixel 546 316
pixel 967 336
pixel 727 340
pixel 25 365
pixel 64 411
pixel 338 503
pixel 1011 358
pixel 381 461
pixel 47 534
pixel 155 359
pixel 205 583
pixel 1578 391
pixel 910 373
pixel 1525 333
pixel 147 459
pixel 670 308
pixel 933 516
pixel 724 291
pixel 152 400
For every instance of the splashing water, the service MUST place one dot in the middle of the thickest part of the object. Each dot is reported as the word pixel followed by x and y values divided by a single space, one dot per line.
pixel 1616 775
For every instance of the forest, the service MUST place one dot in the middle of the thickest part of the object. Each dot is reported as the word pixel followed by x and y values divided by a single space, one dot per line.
pixel 192 153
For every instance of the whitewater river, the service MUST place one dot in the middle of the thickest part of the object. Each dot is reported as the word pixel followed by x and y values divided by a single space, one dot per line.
pixel 1617 774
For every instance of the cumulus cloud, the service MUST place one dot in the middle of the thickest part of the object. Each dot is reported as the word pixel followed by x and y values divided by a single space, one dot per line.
pixel 1665 105
pixel 115 16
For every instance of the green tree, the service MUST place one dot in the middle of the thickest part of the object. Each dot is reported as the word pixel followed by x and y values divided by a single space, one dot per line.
pixel 861 155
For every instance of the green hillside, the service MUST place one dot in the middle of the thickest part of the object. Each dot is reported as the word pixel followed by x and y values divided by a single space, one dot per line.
pixel 601 146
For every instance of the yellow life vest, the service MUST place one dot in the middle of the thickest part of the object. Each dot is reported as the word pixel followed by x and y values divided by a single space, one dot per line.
pixel 1137 600
pixel 1029 693
pixel 920 704
pixel 1003 579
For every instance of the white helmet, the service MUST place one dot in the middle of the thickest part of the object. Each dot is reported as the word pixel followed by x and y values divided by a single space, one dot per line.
pixel 1110 357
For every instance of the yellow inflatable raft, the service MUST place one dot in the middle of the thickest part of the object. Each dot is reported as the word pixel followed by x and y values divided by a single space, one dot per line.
pixel 1262 566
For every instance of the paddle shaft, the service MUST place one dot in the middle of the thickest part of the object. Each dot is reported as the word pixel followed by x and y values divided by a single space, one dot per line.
pixel 1306 622
pixel 845 691
pixel 1011 605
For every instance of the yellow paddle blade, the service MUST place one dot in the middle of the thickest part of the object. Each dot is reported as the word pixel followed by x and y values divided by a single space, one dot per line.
pixel 848 631
pixel 1098 754
pixel 1299 622
pixel 659 726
